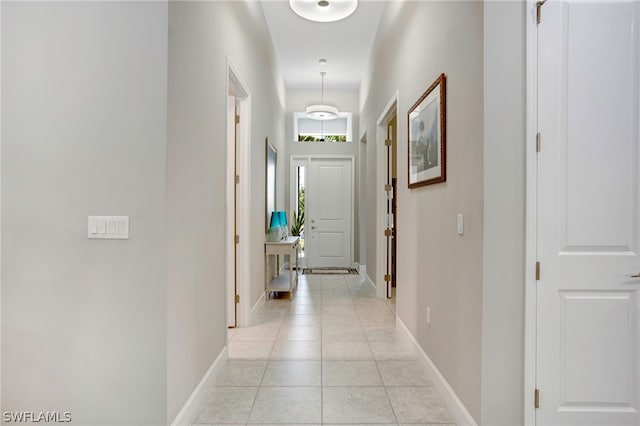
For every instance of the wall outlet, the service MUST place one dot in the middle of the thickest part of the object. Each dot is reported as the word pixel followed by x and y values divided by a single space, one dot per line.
pixel 428 315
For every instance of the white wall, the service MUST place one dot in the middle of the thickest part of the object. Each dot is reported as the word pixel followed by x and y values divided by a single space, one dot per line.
pixel 345 101
pixel 202 34
pixel 84 133
pixel 503 267
pixel 436 267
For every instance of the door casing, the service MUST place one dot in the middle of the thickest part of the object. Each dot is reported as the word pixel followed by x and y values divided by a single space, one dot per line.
pixel 295 160
pixel 237 88
pixel 362 211
pixel 531 208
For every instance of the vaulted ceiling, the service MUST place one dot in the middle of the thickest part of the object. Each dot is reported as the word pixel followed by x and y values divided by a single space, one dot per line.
pixel 300 43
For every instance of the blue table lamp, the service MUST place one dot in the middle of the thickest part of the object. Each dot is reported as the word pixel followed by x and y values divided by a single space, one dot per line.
pixel 274 227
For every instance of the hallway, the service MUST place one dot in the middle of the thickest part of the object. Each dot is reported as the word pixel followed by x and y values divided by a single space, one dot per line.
pixel 332 355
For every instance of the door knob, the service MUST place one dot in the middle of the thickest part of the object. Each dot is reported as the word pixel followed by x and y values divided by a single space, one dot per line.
pixel 313 227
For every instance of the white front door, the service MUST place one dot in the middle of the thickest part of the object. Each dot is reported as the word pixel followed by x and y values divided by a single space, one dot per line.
pixel 588 363
pixel 328 211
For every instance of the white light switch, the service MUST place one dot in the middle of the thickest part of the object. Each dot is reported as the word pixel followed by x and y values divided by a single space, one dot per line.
pixel 93 228
pixel 109 227
pixel 460 224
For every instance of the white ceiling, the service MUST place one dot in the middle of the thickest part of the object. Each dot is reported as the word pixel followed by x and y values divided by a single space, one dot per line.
pixel 345 44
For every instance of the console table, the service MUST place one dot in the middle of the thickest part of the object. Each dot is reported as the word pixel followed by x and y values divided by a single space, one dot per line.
pixel 281 282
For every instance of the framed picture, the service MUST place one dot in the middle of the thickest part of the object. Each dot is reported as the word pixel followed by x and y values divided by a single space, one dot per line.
pixel 427 136
pixel 270 182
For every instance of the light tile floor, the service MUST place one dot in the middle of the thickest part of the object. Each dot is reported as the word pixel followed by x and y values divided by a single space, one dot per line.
pixel 330 356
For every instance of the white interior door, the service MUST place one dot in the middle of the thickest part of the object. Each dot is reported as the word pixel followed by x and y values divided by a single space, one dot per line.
pixel 328 211
pixel 588 221
pixel 231 264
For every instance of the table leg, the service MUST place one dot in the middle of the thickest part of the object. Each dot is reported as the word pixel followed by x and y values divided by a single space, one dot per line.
pixel 266 277
pixel 291 276
pixel 297 262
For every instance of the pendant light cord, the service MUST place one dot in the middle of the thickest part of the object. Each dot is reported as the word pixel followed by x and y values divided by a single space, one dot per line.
pixel 322 73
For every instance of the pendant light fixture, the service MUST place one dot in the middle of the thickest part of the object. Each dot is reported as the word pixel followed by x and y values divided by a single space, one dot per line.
pixel 322 111
pixel 323 10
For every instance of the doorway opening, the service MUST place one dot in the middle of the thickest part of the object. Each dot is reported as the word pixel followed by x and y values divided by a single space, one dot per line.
pixel 392 205
pixel 386 211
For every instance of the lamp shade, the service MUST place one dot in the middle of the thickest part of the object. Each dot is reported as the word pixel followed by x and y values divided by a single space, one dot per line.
pixel 275 220
pixel 283 218
pixel 323 10
pixel 321 112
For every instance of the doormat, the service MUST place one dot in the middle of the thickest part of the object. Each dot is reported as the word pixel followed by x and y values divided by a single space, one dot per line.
pixel 329 271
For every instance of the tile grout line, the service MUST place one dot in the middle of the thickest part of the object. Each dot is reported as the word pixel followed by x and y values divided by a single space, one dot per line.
pixel 261 381
pixel 393 411
pixel 264 373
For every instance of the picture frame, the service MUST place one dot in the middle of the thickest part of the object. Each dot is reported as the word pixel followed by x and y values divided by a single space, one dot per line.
pixel 271 162
pixel 427 141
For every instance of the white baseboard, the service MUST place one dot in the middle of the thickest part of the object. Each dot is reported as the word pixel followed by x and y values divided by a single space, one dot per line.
pixel 189 411
pixel 256 308
pixel 458 411
pixel 370 282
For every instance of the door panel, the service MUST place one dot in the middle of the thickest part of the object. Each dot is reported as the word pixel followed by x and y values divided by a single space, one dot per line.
pixel 600 69
pixel 329 198
pixel 602 321
pixel 588 221
pixel 331 244
pixel 331 191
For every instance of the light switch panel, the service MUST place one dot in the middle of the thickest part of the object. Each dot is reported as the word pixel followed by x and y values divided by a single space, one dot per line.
pixel 109 227
pixel 460 224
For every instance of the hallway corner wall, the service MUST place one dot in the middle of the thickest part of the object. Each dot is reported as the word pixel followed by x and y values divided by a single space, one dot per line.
pixel 84 133
pixel 436 267
pixel 201 36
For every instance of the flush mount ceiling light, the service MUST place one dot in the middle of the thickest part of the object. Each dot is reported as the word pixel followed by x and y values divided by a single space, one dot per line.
pixel 323 10
pixel 322 111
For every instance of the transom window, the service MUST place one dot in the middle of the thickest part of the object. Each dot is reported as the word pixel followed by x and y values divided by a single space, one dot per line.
pixel 307 130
